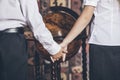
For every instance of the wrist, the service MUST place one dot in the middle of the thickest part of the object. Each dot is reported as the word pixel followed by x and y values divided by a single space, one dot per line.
pixel 65 42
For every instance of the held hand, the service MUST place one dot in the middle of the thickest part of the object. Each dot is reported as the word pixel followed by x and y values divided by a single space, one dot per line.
pixel 60 54
pixel 64 47
pixel 55 59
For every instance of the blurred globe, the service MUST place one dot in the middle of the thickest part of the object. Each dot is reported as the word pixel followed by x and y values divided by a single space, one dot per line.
pixel 60 23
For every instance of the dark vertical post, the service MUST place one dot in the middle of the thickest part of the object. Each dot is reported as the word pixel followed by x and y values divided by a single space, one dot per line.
pixel 84 59
pixel 55 71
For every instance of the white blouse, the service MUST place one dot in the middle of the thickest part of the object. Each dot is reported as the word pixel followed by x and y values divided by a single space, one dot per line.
pixel 106 24
pixel 16 13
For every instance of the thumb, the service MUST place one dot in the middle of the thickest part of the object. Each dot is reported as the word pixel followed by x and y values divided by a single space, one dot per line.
pixel 64 57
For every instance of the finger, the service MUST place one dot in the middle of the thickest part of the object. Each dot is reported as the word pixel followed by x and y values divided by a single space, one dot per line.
pixel 64 51
pixel 52 59
pixel 57 59
pixel 63 57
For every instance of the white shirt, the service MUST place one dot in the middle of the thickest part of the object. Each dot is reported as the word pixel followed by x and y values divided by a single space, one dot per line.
pixel 106 25
pixel 15 13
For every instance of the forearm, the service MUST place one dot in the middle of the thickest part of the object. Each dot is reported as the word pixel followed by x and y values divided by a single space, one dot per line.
pixel 80 24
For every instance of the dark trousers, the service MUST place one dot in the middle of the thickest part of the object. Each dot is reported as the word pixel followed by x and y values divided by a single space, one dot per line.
pixel 104 62
pixel 13 57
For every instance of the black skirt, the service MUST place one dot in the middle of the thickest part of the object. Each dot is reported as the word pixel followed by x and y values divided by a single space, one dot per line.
pixel 104 62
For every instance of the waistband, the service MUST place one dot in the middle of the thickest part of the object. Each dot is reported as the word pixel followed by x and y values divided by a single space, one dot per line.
pixel 19 30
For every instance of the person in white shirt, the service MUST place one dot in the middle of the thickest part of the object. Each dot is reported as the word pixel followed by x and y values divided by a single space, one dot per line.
pixel 14 16
pixel 104 51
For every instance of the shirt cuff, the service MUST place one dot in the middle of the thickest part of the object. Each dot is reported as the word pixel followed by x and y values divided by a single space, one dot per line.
pixel 54 49
pixel 90 3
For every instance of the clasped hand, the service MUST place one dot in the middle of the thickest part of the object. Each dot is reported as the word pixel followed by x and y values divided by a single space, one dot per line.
pixel 60 54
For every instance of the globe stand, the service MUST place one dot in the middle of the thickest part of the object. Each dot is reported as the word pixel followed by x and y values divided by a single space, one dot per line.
pixel 55 71
pixel 84 59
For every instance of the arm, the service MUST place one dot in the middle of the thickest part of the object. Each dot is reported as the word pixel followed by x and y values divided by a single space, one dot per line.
pixel 35 22
pixel 78 27
pixel 80 24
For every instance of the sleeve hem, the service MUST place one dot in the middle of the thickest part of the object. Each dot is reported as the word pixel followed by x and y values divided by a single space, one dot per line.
pixel 54 49
pixel 90 3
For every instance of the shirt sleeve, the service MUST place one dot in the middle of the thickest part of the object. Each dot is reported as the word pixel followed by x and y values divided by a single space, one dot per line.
pixel 35 21
pixel 91 2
